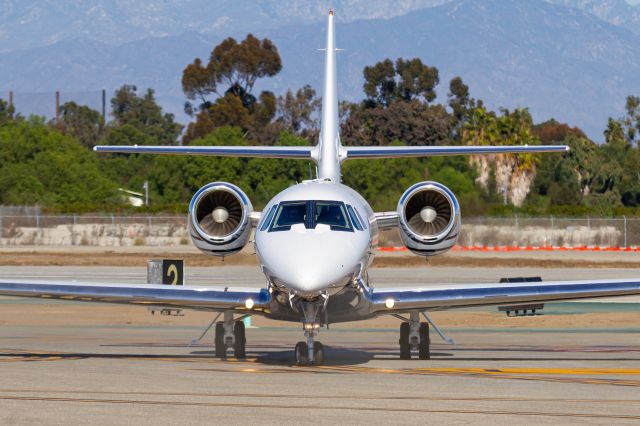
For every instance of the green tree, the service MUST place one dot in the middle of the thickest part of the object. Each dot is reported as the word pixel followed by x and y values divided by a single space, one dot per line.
pixel 7 112
pixel 143 113
pixel 484 127
pixel 296 111
pixel 176 179
pixel 562 178
pixel 230 76
pixel 82 122
pixel 631 120
pixel 552 132
pixel 386 82
pixel 411 122
pixel 461 104
pixel 40 165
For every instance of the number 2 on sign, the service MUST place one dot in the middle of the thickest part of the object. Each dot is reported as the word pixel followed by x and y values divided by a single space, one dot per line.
pixel 173 271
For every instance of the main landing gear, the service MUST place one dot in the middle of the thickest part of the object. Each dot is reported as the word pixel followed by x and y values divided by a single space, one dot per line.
pixel 230 334
pixel 310 352
pixel 415 335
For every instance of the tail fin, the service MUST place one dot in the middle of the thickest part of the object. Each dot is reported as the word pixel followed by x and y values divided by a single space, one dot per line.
pixel 328 150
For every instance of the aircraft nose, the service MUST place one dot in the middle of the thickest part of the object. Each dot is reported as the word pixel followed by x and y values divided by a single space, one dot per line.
pixel 318 275
pixel 310 272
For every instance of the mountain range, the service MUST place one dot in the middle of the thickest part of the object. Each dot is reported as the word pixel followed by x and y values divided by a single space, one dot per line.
pixel 574 60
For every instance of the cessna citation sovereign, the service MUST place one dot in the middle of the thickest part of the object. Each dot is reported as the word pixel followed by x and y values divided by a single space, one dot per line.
pixel 315 242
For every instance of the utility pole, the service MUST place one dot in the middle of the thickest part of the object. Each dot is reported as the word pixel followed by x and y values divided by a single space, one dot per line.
pixel 10 98
pixel 104 105
pixel 146 192
pixel 57 107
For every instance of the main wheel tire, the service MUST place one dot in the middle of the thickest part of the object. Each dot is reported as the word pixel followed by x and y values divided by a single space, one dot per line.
pixel 240 341
pixel 318 353
pixel 302 353
pixel 405 346
pixel 221 350
pixel 424 347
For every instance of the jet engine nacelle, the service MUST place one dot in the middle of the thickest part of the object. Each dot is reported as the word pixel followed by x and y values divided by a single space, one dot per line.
pixel 219 222
pixel 429 218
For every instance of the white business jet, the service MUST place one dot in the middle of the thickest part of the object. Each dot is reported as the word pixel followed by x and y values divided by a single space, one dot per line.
pixel 315 242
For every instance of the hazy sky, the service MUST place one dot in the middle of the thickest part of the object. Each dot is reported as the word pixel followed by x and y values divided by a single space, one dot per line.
pixel 634 1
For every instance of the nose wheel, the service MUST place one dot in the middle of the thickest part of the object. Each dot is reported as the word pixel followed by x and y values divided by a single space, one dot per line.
pixel 304 356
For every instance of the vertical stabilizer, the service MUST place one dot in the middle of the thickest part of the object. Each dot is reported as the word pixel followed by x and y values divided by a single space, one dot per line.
pixel 329 143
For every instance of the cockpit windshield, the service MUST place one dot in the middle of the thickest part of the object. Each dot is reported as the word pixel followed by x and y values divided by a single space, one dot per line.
pixel 331 213
pixel 311 213
pixel 289 214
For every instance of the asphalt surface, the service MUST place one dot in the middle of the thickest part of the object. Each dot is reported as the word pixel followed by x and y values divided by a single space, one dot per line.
pixel 76 370
pixel 250 276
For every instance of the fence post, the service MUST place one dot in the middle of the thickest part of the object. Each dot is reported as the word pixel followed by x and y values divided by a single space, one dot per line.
pixel 57 107
pixel 73 231
pixel 625 231
pixel 104 105
pixel 38 221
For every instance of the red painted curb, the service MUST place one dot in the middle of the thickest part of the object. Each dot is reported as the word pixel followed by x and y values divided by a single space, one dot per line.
pixel 526 248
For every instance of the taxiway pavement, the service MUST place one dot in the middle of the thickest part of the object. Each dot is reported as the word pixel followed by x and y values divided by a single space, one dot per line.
pixel 76 363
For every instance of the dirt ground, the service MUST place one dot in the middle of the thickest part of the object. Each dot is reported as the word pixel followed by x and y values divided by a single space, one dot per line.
pixel 135 256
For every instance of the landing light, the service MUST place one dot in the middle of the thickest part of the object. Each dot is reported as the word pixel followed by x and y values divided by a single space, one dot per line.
pixel 389 303
pixel 248 303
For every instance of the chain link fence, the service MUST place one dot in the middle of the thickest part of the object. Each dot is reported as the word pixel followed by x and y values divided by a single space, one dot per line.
pixel 47 104
pixel 551 232
pixel 110 230
pixel 82 230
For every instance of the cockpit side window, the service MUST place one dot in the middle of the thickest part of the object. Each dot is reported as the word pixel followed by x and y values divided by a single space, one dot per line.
pixel 268 218
pixel 354 219
pixel 331 213
pixel 289 213
pixel 364 222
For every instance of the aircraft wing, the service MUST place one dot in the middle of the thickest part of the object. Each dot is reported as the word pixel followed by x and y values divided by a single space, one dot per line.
pixel 468 295
pixel 355 152
pixel 203 298
pixel 295 152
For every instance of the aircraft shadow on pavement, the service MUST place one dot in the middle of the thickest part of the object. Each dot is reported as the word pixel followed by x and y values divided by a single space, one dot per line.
pixel 333 356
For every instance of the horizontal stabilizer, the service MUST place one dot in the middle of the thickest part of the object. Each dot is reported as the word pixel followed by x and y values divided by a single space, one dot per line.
pixel 296 152
pixel 354 152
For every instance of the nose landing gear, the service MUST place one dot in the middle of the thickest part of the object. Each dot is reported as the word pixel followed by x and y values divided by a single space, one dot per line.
pixel 310 352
